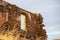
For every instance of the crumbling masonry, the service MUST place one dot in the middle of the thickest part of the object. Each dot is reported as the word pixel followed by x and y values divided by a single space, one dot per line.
pixel 10 24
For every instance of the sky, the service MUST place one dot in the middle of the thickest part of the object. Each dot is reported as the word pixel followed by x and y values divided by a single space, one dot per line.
pixel 49 9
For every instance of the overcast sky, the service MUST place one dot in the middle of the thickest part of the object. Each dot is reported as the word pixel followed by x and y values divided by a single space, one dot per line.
pixel 49 9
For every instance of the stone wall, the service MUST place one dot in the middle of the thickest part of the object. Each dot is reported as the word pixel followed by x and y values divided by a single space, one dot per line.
pixel 10 27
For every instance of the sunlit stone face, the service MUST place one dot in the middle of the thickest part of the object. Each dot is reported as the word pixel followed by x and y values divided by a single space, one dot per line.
pixel 18 18
pixel 1 19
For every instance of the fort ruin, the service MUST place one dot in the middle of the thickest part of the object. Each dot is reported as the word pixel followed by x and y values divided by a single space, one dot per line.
pixel 10 24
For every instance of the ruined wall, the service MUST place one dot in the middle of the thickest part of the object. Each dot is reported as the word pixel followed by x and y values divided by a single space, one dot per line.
pixel 35 27
pixel 10 24
pixel 10 29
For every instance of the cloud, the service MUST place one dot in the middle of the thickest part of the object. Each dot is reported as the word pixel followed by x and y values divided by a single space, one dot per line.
pixel 53 28
pixel 53 33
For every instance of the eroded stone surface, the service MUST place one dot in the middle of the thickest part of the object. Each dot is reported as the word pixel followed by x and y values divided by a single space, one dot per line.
pixel 10 29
